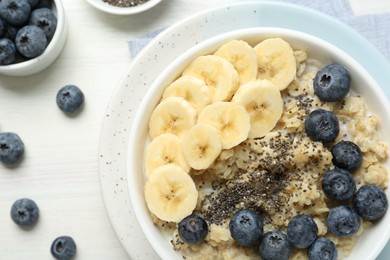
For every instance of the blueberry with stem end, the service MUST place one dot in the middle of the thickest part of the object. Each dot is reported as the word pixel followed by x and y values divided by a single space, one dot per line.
pixel 301 231
pixel 347 155
pixel 274 245
pixel 30 41
pixel 246 227
pixel 322 249
pixel 343 221
pixel 193 229
pixel 370 202
pixel 45 19
pixel 24 212
pixel 11 148
pixel 69 98
pixel 322 125
pixel 338 184
pixel 63 248
pixel 15 12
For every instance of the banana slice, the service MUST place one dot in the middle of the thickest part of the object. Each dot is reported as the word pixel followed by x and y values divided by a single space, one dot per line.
pixel 231 120
pixel 276 62
pixel 173 115
pixel 219 75
pixel 170 193
pixel 192 89
pixel 201 146
pixel 264 103
pixel 243 58
pixel 165 149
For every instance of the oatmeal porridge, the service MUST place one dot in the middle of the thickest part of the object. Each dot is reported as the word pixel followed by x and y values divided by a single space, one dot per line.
pixel 232 131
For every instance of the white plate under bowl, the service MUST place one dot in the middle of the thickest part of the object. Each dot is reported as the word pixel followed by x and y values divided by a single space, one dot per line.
pixel 373 239
pixel 159 54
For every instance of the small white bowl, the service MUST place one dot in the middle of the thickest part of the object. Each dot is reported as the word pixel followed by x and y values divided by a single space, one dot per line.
pixel 51 52
pixel 373 239
pixel 105 7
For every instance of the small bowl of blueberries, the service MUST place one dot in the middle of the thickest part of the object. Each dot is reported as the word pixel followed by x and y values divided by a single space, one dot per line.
pixel 32 35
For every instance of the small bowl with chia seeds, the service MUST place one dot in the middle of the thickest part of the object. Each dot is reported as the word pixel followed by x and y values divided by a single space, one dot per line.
pixel 123 7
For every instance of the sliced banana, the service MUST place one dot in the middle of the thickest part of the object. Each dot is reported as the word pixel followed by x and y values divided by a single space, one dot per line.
pixel 201 146
pixel 219 75
pixel 165 149
pixel 276 62
pixel 192 89
pixel 173 115
pixel 263 102
pixel 243 58
pixel 170 193
pixel 231 120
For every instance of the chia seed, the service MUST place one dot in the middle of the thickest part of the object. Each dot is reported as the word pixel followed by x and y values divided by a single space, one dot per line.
pixel 125 3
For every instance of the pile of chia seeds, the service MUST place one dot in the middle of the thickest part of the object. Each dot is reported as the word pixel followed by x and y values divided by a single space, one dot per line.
pixel 125 3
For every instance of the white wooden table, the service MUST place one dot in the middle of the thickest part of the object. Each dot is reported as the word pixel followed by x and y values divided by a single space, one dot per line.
pixel 60 168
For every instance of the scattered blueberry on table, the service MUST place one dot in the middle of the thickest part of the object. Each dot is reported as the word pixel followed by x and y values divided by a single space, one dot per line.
pixel 193 229
pixel 69 98
pixel 322 249
pixel 338 184
pixel 246 227
pixel 63 248
pixel 11 148
pixel 332 83
pixel 24 212
pixel 370 202
pixel 302 231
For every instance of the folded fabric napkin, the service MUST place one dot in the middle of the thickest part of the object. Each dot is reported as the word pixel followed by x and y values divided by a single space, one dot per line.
pixel 374 27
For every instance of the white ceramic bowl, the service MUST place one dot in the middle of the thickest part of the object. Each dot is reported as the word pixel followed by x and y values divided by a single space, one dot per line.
pixel 51 52
pixel 373 240
pixel 105 7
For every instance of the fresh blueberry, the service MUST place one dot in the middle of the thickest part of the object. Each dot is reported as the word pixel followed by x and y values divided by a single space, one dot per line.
pixel 69 98
pixel 7 51
pixel 30 41
pixel 45 19
pixel 246 227
pixel 302 231
pixel 347 155
pixel 63 248
pixel 11 148
pixel 15 12
pixel 322 249
pixel 332 83
pixel 338 184
pixel 193 229
pixel 274 245
pixel 322 125
pixel 9 31
pixel 343 221
pixel 24 212
pixel 370 202
pixel 33 3
pixel 45 4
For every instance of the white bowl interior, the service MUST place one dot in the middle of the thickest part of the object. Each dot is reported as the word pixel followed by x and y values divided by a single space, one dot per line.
pixel 51 52
pixel 105 7
pixel 372 241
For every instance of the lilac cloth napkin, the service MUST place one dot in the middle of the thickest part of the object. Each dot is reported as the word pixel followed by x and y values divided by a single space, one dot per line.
pixel 376 27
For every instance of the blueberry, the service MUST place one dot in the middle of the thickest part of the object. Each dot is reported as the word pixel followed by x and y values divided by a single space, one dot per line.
pixel 69 98
pixel 10 31
pixel 274 245
pixel 338 184
pixel 45 19
pixel 24 212
pixel 332 83
pixel 7 51
pixel 322 249
pixel 343 221
pixel 44 4
pixel 30 41
pixel 63 248
pixel 322 125
pixel 370 202
pixel 246 227
pixel 193 229
pixel 15 12
pixel 11 148
pixel 347 155
pixel 302 231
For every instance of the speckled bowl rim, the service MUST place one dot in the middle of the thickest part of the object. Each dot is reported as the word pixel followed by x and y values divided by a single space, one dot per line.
pixel 102 6
pixel 317 48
